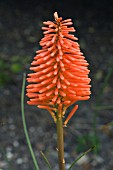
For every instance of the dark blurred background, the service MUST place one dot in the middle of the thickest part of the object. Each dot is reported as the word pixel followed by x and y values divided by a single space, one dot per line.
pixel 20 33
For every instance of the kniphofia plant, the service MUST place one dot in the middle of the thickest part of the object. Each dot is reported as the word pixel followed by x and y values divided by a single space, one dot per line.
pixel 60 76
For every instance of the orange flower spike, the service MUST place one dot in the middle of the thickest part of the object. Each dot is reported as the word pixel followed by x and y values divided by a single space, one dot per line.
pixel 60 75
pixel 70 115
pixel 53 115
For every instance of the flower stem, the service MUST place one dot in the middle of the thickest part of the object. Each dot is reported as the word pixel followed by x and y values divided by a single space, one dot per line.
pixel 60 143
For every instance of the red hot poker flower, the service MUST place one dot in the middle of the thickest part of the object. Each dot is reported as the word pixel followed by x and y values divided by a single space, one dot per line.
pixel 60 75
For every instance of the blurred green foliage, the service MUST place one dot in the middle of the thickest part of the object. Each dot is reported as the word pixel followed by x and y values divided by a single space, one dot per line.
pixel 10 68
pixel 88 140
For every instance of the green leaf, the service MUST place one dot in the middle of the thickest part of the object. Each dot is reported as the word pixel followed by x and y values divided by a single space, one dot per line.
pixel 46 160
pixel 9 163
pixel 109 107
pixel 16 68
pixel 25 127
pixel 74 162
pixel 4 78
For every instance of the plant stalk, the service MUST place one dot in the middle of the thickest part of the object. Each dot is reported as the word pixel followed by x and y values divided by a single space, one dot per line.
pixel 60 143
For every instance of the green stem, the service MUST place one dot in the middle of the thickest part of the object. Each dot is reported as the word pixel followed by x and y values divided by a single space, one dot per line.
pixel 60 144
pixel 25 126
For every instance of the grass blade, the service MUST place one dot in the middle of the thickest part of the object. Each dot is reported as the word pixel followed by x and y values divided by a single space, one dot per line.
pixel 74 162
pixel 24 125
pixel 46 160
pixel 109 107
pixel 105 83
pixel 9 163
